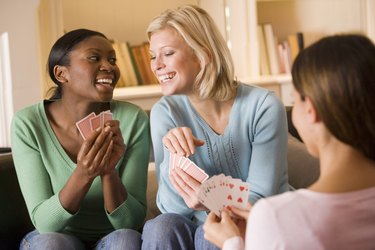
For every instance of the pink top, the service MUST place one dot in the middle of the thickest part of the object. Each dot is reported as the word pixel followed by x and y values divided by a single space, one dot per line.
pixel 304 219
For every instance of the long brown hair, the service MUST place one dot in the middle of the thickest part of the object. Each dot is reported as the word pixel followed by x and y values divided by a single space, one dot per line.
pixel 338 74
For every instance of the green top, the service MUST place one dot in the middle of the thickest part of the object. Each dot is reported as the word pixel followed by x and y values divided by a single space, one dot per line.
pixel 43 168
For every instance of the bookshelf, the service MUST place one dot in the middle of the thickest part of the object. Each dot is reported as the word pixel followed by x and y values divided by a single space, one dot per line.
pixel 238 21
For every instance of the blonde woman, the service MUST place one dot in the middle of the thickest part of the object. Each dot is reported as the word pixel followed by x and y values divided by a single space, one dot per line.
pixel 222 125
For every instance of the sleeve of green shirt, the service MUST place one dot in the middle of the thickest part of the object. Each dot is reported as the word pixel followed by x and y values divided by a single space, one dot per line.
pixel 133 170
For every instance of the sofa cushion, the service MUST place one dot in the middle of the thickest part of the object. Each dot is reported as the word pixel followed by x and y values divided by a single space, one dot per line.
pixel 303 168
pixel 152 188
pixel 15 220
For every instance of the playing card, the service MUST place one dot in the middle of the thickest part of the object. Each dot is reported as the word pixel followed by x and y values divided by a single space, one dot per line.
pixel 172 157
pixel 207 195
pixel 187 166
pixel 95 123
pixel 221 191
pixel 84 126
pixel 239 191
pixel 92 122
pixel 106 116
pixel 181 161
pixel 195 172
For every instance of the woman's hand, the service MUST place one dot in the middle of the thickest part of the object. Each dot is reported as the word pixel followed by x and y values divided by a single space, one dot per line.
pixel 187 187
pixel 180 140
pixel 118 147
pixel 240 217
pixel 217 230
pixel 95 153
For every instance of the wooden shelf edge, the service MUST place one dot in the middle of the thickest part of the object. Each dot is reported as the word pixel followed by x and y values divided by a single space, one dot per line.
pixel 149 91
pixel 270 79
pixel 137 92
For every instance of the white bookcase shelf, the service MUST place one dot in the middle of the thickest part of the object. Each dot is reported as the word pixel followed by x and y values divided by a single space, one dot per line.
pixel 238 21
pixel 146 96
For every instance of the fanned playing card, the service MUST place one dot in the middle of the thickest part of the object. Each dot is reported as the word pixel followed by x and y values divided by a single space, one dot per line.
pixel 84 126
pixel 221 191
pixel 216 192
pixel 187 166
pixel 92 122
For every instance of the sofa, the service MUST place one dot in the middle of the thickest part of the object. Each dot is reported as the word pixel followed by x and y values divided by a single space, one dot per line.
pixel 303 170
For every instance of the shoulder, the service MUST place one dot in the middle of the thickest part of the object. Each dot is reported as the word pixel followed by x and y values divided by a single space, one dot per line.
pixel 258 102
pixel 29 113
pixel 282 204
pixel 258 96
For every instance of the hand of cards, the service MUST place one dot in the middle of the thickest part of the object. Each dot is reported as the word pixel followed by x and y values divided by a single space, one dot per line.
pixel 178 161
pixel 221 191
pixel 216 192
pixel 91 122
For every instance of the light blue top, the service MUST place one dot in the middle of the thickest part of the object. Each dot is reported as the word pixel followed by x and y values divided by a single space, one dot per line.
pixel 253 146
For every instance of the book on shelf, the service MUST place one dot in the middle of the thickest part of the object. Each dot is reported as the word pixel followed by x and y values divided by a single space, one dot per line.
pixel 122 82
pixel 296 44
pixel 134 64
pixel 263 57
pixel 284 57
pixel 130 69
pixel 271 45
pixel 137 53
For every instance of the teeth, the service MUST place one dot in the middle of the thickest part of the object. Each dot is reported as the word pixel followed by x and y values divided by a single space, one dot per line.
pixel 166 77
pixel 105 81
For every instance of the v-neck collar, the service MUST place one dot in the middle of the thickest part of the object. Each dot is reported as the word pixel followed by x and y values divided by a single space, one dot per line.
pixel 204 124
pixel 59 149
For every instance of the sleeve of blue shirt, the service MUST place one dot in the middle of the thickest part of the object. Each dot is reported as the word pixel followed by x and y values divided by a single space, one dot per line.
pixel 168 200
pixel 268 165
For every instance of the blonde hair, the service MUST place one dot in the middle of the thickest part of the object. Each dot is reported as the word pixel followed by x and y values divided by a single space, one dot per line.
pixel 216 77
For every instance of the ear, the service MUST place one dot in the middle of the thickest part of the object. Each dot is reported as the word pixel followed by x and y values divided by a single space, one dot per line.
pixel 312 114
pixel 60 73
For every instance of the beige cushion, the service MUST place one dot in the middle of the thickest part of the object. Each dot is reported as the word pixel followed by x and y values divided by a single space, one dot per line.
pixel 303 168
pixel 152 188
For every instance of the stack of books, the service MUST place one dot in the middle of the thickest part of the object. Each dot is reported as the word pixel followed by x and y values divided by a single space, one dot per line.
pixel 277 57
pixel 134 64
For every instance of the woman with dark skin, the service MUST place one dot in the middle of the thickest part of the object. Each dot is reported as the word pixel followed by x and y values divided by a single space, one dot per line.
pixel 82 193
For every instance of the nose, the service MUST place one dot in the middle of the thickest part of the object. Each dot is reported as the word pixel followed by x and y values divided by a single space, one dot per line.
pixel 157 63
pixel 107 66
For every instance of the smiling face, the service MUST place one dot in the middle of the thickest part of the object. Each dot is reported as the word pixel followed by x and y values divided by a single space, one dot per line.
pixel 173 62
pixel 92 73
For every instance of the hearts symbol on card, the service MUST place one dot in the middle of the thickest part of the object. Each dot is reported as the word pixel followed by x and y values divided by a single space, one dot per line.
pixel 231 186
pixel 229 197
pixel 240 200
pixel 242 188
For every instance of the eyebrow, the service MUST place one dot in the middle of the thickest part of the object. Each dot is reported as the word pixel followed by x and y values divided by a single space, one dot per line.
pixel 98 50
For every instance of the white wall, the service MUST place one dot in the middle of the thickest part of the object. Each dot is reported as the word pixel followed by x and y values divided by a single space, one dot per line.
pixel 18 18
pixel 124 20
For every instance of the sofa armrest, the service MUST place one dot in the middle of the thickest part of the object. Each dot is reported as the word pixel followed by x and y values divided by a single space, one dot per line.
pixel 15 220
